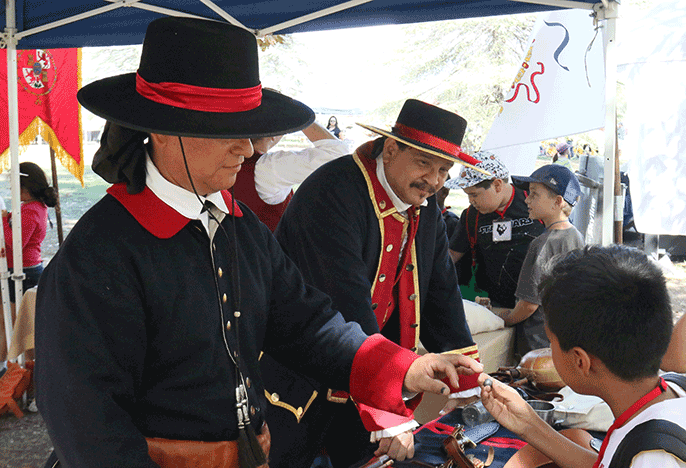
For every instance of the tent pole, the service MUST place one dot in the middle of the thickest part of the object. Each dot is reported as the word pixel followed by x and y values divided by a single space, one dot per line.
pixel 560 3
pixel 619 199
pixel 610 14
pixel 58 207
pixel 13 105
pixel 310 17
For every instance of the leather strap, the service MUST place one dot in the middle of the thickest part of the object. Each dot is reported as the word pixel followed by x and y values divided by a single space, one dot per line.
pixel 170 453
pixel 481 432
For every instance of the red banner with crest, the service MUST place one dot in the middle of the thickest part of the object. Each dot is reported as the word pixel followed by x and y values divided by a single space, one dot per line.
pixel 48 80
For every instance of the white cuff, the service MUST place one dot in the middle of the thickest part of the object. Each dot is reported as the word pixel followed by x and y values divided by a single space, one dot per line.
pixel 465 393
pixel 393 431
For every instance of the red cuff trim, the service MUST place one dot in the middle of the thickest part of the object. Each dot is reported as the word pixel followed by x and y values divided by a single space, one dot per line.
pixel 378 420
pixel 378 372
pixel 200 98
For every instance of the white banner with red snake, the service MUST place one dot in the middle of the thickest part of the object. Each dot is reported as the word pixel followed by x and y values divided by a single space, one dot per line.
pixel 559 89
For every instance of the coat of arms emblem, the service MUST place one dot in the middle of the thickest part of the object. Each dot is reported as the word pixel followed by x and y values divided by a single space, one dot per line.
pixel 37 72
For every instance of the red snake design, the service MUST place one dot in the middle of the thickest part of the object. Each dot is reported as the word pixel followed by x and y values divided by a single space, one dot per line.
pixel 533 85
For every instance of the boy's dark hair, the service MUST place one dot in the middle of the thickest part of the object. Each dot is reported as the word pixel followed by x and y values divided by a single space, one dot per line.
pixel 613 303
pixel 485 184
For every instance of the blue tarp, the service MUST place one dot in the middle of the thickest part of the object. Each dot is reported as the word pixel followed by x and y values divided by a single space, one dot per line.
pixel 127 25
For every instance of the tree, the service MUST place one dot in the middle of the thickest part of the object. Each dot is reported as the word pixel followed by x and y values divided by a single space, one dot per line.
pixel 465 66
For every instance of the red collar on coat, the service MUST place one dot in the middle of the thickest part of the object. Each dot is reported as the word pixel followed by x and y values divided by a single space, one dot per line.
pixel 158 218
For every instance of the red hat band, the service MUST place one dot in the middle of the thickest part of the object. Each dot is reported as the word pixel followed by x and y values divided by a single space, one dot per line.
pixel 432 140
pixel 200 98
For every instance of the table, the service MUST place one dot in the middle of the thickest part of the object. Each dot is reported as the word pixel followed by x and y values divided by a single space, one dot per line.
pixel 23 328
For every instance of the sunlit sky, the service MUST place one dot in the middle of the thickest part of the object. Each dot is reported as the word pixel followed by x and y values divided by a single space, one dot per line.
pixel 350 59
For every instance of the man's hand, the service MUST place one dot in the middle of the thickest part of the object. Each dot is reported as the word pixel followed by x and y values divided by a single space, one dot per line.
pixel 506 405
pixel 425 374
pixel 398 448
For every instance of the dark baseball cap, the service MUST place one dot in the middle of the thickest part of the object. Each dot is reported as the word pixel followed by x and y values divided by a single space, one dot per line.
pixel 557 178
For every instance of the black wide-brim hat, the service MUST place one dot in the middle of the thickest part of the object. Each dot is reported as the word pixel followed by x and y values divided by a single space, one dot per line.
pixel 196 78
pixel 431 129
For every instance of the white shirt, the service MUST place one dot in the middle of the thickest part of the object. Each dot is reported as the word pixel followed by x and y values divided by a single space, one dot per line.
pixel 184 202
pixel 673 410
pixel 276 172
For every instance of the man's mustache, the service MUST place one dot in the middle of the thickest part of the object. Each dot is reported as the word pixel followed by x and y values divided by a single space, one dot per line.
pixel 425 187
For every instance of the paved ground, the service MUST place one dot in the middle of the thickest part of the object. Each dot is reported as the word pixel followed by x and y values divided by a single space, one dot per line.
pixel 24 443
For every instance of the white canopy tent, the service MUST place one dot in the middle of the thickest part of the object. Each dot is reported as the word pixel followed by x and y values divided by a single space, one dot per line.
pixel 77 23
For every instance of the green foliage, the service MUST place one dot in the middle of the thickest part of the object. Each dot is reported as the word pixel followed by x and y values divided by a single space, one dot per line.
pixel 281 65
pixel 464 66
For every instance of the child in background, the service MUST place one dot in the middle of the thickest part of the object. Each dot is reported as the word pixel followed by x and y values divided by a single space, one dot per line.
pixel 609 320
pixel 552 192
pixel 36 196
pixel 494 233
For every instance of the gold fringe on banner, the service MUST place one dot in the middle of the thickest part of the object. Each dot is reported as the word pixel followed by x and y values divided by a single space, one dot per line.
pixel 39 127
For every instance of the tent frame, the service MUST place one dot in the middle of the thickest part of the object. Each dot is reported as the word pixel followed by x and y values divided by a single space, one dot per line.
pixel 603 10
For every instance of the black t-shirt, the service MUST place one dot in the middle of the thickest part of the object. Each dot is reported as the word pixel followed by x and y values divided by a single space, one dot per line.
pixel 498 263
pixel 452 222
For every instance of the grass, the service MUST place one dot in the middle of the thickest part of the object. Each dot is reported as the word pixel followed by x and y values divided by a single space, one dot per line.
pixel 74 199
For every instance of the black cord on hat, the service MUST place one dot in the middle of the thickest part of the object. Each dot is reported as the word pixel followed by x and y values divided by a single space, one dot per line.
pixel 250 451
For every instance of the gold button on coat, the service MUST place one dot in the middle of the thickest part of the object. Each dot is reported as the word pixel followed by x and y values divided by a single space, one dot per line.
pixel 382 204
pixel 228 325
pixel 412 297
pixel 382 278
pixel 220 272
pixel 275 397
pixel 389 247
pixel 248 382
pixel 224 298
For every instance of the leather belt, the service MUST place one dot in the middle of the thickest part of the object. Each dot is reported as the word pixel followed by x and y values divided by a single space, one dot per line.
pixel 170 453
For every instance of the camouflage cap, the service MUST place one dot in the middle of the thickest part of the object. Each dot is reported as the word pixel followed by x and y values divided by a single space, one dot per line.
pixel 469 177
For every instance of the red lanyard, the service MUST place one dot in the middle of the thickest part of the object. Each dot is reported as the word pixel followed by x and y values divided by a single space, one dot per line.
pixel 502 213
pixel 633 409
pixel 472 240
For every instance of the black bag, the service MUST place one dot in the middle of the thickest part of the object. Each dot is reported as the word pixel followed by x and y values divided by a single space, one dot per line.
pixel 656 434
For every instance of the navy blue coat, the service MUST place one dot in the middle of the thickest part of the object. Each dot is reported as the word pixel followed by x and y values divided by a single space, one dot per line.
pixel 131 330
pixel 331 231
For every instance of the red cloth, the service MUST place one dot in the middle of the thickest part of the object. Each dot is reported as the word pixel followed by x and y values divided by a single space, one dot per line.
pixel 158 218
pixel 377 379
pixel 47 84
pixel 34 221
pixel 245 191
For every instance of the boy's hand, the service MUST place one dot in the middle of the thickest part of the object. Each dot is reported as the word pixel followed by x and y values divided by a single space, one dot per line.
pixel 506 405
pixel 398 448
pixel 425 374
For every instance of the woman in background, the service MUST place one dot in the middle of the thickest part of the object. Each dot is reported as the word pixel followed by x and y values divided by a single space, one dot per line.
pixel 333 127
pixel 36 197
